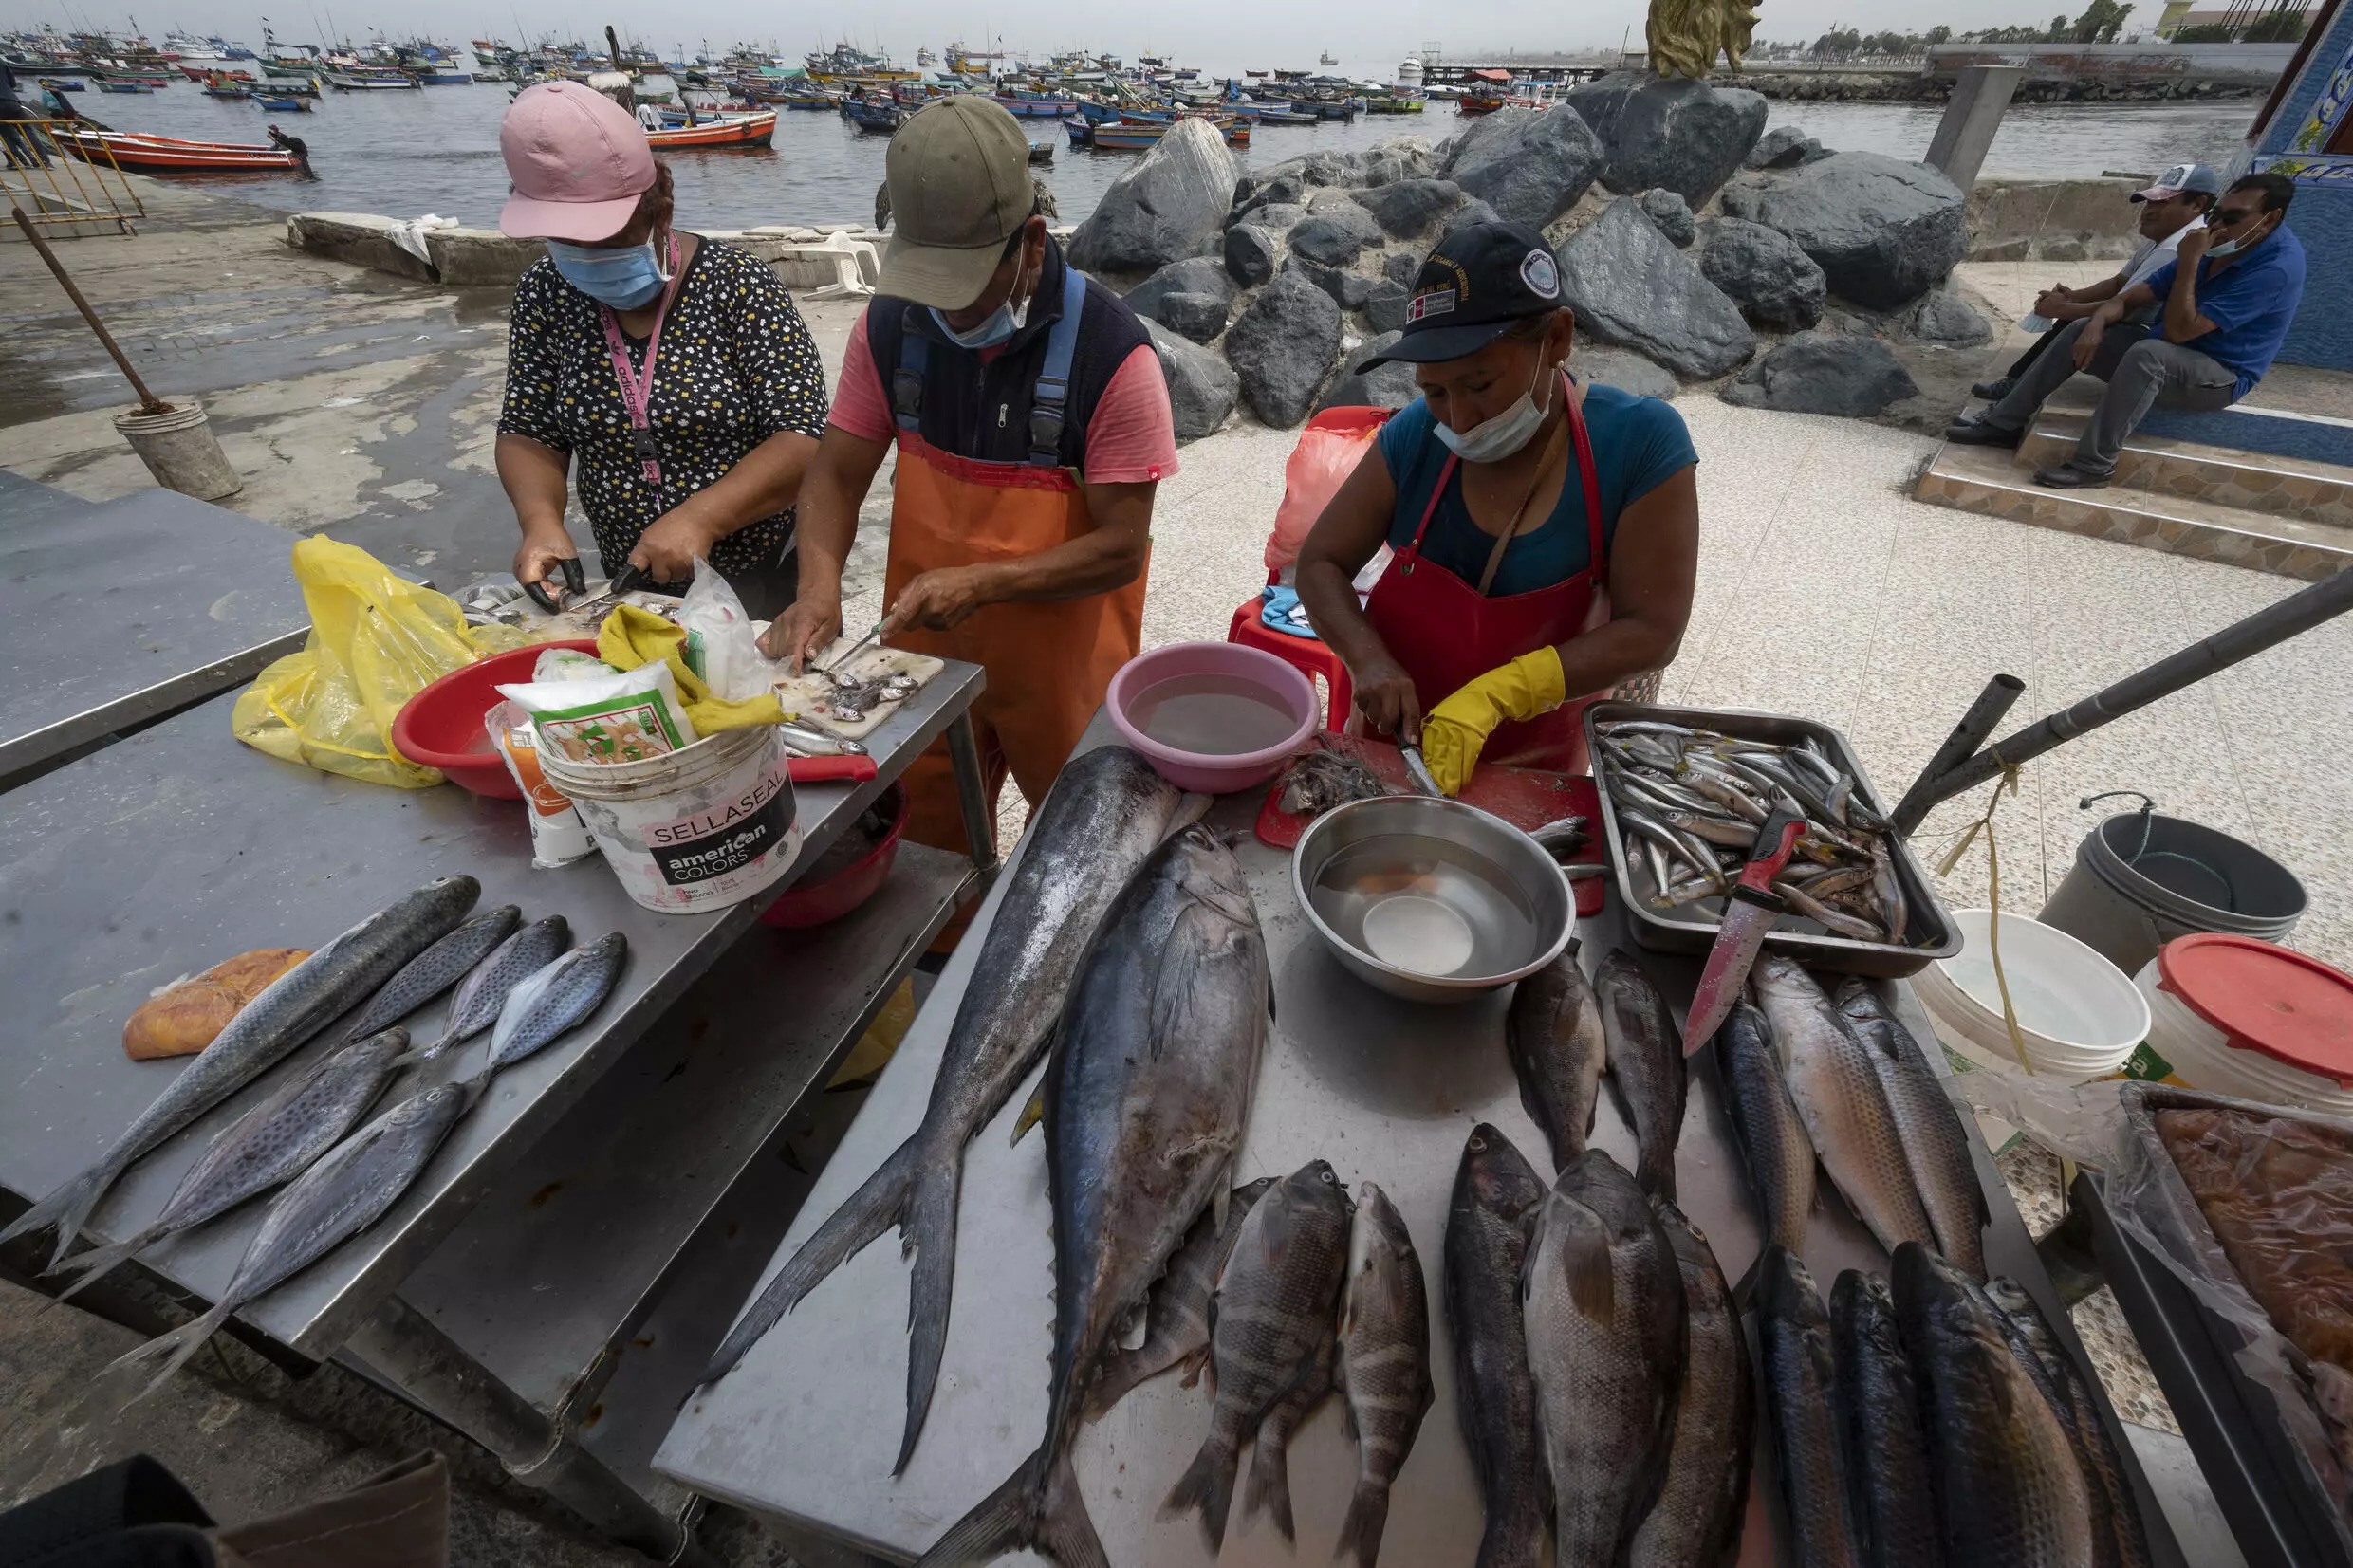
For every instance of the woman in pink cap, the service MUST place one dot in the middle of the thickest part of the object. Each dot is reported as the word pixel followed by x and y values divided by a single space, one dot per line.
pixel 673 373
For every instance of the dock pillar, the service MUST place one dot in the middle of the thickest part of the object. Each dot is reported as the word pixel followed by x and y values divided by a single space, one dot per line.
pixel 1979 100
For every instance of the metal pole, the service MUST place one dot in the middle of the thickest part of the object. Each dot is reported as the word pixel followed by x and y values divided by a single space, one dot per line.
pixel 148 401
pixel 2266 628
pixel 1987 711
pixel 980 828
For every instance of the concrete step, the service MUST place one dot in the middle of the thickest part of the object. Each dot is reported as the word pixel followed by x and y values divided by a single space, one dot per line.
pixel 1985 479
pixel 2170 469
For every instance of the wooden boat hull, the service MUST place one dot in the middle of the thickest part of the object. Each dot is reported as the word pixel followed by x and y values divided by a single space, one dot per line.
pixel 152 155
pixel 754 130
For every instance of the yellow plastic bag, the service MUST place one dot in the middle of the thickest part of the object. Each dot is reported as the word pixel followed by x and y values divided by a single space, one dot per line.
pixel 631 637
pixel 376 640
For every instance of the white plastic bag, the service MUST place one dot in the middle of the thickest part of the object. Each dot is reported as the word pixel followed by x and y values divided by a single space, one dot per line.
pixel 722 645
pixel 616 718
pixel 558 836
pixel 569 664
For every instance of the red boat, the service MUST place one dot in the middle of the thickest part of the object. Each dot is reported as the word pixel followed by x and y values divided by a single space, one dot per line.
pixel 752 130
pixel 163 155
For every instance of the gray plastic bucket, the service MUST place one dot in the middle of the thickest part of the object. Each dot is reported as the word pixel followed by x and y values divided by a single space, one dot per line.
pixel 2139 881
pixel 178 449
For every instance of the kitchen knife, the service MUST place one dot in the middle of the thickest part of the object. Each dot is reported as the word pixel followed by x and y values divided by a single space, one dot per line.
pixel 1749 914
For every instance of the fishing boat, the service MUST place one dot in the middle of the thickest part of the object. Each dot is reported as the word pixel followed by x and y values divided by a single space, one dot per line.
pixel 60 84
pixel 751 130
pixel 880 119
pixel 125 87
pixel 1040 152
pixel 1081 132
pixel 809 103
pixel 277 104
pixel 365 79
pixel 1142 135
pixel 162 154
pixel 1268 116
pixel 221 85
pixel 1039 108
pixel 1396 104
pixel 442 77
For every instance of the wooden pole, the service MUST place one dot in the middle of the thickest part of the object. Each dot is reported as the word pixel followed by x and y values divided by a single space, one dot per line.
pixel 148 401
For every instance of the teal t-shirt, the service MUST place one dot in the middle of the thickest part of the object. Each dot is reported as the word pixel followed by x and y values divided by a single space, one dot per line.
pixel 1638 443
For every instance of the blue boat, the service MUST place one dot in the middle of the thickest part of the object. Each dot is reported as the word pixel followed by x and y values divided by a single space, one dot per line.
pixel 880 119
pixel 1081 132
pixel 281 106
pixel 125 87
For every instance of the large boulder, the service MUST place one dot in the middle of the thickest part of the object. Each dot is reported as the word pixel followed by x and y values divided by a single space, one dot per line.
pixel 1386 386
pixel 1250 255
pixel 1408 207
pixel 1944 317
pixel 1401 267
pixel 1283 347
pixel 1171 205
pixel 1335 237
pixel 1330 198
pixel 1384 306
pixel 1276 218
pixel 1201 386
pixel 1349 290
pixel 1399 157
pixel 1194 296
pixel 1672 213
pixel 1824 372
pixel 1537 171
pixel 1680 134
pixel 1764 272
pixel 1482 133
pixel 1273 190
pixel 1783 147
pixel 1615 367
pixel 1630 288
pixel 1883 231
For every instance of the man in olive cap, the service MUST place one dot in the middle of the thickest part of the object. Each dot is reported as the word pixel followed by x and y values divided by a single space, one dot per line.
pixel 1033 426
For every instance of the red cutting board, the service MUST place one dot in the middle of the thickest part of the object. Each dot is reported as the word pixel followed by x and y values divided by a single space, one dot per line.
pixel 1526 796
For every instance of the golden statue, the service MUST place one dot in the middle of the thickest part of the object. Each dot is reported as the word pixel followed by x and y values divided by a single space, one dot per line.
pixel 1685 35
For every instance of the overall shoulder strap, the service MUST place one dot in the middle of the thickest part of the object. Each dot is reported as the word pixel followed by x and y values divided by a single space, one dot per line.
pixel 1052 395
pixel 907 380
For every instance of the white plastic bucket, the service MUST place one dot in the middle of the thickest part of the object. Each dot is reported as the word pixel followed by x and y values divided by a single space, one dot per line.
pixel 2185 1049
pixel 706 826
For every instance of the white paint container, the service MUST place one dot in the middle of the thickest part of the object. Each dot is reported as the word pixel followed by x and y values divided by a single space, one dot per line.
pixel 695 829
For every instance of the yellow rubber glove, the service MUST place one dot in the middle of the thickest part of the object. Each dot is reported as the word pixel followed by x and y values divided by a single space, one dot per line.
pixel 1455 732
pixel 631 637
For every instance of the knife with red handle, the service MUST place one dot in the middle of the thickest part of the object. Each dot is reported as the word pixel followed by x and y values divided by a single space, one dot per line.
pixel 1749 914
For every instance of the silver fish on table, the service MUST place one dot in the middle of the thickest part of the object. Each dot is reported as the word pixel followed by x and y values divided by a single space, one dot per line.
pixel 296 1006
pixel 1384 1363
pixel 435 969
pixel 1647 1063
pixel 1876 1400
pixel 1837 1093
pixel 274 1142
pixel 1934 1140
pixel 1793 1341
pixel 1497 1194
pixel 1101 820
pixel 1176 1317
pixel 1145 1098
pixel 1696 1521
pixel 1775 1152
pixel 2010 1489
pixel 559 996
pixel 347 1190
pixel 1604 1314
pixel 1553 1032
pixel 484 989
pixel 2120 1538
pixel 1268 1326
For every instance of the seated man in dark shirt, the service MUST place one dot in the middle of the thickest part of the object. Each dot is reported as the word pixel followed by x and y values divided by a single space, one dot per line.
pixel 2225 304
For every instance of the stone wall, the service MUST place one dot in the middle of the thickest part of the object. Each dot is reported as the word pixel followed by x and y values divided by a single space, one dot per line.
pixel 2051 219
pixel 484 258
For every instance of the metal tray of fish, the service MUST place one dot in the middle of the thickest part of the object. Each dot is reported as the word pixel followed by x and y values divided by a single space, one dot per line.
pixel 1693 928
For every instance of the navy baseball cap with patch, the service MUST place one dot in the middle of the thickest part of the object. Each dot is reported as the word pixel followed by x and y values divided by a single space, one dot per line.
pixel 1480 278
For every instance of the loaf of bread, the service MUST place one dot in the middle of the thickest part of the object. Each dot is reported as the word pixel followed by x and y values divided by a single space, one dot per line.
pixel 183 1018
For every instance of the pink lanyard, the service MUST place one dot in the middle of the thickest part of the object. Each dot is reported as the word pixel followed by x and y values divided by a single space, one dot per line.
pixel 636 393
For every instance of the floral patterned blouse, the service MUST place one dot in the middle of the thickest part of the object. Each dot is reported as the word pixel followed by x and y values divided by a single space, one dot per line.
pixel 736 366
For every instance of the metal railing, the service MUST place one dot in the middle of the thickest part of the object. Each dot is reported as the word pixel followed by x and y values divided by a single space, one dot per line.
pixel 61 188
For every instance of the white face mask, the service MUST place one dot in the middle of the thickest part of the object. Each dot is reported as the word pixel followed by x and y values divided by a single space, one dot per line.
pixel 1493 440
pixel 2232 248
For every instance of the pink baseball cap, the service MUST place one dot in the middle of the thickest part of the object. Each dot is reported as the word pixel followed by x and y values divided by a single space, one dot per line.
pixel 577 161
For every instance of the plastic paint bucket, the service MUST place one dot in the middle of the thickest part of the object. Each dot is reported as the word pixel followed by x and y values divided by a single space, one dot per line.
pixel 2234 1016
pixel 179 451
pixel 2139 881
pixel 695 829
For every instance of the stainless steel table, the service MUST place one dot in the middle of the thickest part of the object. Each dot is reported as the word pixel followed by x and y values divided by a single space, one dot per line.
pixel 160 854
pixel 117 613
pixel 806 1429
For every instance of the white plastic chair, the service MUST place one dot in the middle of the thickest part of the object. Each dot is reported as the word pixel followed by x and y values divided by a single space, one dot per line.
pixel 858 265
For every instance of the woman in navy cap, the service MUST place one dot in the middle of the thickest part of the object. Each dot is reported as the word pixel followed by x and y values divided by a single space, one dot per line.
pixel 1545 532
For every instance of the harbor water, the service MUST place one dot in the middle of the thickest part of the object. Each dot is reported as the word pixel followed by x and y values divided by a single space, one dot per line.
pixel 435 150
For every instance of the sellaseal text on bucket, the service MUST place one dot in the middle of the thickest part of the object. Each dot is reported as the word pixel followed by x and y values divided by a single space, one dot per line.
pixel 694 829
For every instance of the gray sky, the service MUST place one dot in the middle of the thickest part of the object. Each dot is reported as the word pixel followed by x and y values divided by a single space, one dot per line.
pixel 1368 36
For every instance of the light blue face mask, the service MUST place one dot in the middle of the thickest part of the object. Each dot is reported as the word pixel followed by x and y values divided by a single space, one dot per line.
pixel 1002 324
pixel 624 279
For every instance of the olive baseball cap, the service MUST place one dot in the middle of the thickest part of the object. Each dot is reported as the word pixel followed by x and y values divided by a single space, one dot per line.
pixel 958 173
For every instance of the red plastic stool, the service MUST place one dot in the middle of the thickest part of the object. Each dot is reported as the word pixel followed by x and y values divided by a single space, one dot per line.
pixel 1305 654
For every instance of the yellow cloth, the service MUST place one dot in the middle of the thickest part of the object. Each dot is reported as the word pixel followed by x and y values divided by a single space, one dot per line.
pixel 1455 732
pixel 631 637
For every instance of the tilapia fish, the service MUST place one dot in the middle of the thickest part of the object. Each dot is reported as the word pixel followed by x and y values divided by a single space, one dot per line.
pixel 1890 1496
pixel 345 1192
pixel 2010 1489
pixel 296 1006
pixel 1837 1093
pixel 1929 1125
pixel 484 989
pixel 1099 823
pixel 1497 1194
pixel 1268 1323
pixel 2121 1540
pixel 1144 1104
pixel 1385 1362
pixel 435 969
pixel 274 1142
pixel 1176 1317
pixel 1775 1152
pixel 552 1000
pixel 1554 1031
pixel 1647 1061
pixel 1793 1342
pixel 1605 1323
pixel 1695 1523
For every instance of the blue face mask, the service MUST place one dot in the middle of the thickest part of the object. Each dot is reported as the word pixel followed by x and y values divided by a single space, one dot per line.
pixel 1002 324
pixel 624 279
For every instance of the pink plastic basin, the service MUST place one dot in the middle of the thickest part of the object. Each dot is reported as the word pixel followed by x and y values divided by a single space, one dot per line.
pixel 1260 674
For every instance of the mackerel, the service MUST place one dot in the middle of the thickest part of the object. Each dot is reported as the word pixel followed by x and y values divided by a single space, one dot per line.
pixel 483 992
pixel 1176 1317
pixel 559 996
pixel 435 969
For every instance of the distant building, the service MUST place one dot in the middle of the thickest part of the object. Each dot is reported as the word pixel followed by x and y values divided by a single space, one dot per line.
pixel 2178 14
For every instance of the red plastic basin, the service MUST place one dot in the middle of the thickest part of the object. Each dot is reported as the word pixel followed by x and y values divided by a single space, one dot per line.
pixel 441 725
pixel 808 904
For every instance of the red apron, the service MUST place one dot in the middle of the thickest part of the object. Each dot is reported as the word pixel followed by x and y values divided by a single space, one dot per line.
pixel 1447 634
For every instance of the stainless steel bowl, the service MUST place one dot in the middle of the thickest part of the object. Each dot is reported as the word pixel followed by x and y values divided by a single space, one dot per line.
pixel 1431 899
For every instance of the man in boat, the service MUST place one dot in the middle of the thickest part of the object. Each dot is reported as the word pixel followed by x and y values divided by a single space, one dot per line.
pixel 1033 428
pixel 294 145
